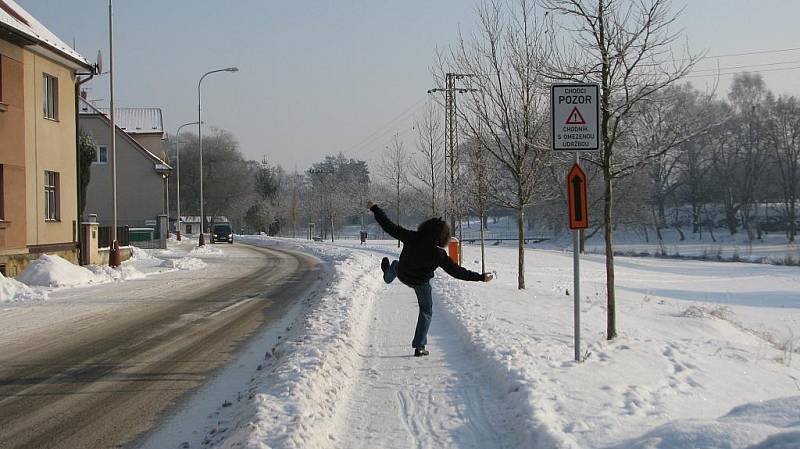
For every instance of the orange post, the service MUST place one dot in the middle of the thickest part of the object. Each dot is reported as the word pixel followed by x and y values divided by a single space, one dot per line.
pixel 453 250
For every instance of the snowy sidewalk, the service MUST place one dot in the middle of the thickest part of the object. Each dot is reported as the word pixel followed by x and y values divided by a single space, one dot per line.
pixel 440 401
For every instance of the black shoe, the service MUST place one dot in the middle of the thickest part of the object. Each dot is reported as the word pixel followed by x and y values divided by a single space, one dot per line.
pixel 385 264
pixel 421 351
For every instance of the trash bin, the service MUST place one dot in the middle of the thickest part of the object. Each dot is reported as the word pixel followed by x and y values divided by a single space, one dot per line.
pixel 363 235
pixel 453 250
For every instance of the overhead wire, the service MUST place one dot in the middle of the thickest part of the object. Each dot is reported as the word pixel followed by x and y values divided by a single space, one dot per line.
pixel 737 72
pixel 384 129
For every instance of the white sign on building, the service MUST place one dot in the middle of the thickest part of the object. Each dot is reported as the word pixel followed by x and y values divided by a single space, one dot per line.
pixel 575 111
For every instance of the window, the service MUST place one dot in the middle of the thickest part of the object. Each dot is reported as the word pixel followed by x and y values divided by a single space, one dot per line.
pixel 101 155
pixel 51 200
pixel 50 96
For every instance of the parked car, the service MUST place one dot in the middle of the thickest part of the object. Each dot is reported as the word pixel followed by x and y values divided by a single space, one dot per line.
pixel 221 232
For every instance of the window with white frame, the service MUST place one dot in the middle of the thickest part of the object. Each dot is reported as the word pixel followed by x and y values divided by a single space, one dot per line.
pixel 51 200
pixel 50 97
pixel 101 155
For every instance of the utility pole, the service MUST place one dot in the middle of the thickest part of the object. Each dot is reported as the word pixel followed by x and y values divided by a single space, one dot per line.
pixel 114 256
pixel 452 210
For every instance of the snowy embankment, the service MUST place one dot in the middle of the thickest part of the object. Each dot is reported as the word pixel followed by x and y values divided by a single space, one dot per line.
pixel 50 273
pixel 294 396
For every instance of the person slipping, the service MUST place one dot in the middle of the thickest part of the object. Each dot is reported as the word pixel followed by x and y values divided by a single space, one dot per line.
pixel 422 253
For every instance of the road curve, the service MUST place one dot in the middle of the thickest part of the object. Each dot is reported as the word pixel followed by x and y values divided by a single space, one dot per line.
pixel 101 382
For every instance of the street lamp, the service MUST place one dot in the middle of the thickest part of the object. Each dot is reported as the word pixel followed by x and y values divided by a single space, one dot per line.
pixel 178 174
pixel 200 139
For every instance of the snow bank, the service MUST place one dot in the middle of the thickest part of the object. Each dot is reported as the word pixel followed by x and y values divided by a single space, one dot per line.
pixel 126 271
pixel 184 263
pixel 12 290
pixel 773 424
pixel 205 250
pixel 53 271
pixel 311 371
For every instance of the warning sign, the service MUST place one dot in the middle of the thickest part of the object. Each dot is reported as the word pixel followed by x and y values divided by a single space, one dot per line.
pixel 575 112
pixel 575 117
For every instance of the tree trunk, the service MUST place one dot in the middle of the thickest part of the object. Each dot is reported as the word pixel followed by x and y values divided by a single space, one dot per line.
pixel 397 207
pixel 521 247
pixel 611 331
pixel 483 251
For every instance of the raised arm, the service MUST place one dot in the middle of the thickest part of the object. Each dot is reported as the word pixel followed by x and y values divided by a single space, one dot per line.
pixel 458 271
pixel 398 232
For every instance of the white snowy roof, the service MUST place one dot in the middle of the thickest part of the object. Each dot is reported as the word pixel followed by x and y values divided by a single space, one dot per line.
pixel 15 19
pixel 138 120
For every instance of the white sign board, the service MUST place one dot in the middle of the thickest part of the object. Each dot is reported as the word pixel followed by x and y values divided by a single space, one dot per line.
pixel 575 111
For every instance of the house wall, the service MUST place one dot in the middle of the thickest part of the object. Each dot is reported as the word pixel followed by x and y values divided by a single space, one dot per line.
pixel 140 194
pixel 12 152
pixel 50 145
pixel 152 142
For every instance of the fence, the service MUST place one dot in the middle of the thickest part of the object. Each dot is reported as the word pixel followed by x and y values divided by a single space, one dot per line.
pixel 104 236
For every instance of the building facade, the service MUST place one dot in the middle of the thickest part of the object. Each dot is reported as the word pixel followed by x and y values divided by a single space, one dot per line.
pixel 38 149
pixel 141 175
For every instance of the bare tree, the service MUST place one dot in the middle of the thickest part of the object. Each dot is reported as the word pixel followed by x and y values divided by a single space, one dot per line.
pixel 394 169
pixel 749 97
pixel 784 141
pixel 427 168
pixel 626 47
pixel 480 175
pixel 335 189
pixel 506 112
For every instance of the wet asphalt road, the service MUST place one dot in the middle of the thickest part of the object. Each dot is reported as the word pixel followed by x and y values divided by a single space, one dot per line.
pixel 102 379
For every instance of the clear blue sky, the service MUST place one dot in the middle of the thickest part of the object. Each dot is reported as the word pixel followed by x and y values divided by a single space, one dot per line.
pixel 319 77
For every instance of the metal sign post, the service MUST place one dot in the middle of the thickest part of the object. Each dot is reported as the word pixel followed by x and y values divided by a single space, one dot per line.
pixel 575 114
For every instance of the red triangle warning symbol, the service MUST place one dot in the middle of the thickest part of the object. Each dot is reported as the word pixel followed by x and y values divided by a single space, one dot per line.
pixel 575 117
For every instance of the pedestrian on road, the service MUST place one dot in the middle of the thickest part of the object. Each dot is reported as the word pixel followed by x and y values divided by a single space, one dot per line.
pixel 422 253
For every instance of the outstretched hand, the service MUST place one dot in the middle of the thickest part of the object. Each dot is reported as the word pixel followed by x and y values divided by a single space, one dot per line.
pixel 487 277
pixel 370 204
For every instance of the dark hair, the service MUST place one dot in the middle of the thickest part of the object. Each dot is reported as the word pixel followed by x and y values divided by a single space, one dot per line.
pixel 436 230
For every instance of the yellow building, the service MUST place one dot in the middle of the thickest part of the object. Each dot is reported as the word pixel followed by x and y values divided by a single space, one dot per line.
pixel 38 149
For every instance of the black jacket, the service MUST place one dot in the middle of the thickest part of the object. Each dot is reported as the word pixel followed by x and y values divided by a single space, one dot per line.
pixel 420 256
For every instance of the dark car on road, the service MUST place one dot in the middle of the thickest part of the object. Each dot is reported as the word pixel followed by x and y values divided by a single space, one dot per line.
pixel 221 232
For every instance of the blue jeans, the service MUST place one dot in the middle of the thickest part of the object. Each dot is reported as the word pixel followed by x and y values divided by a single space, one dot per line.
pixel 425 301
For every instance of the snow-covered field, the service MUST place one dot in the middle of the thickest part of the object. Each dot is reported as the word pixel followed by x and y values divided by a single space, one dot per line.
pixel 705 359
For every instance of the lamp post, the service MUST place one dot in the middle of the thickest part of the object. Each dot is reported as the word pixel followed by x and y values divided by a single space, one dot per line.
pixel 178 174
pixel 200 139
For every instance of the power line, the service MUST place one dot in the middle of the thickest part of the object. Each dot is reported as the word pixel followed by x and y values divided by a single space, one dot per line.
pixel 737 72
pixel 389 126
pixel 752 52
pixel 770 64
